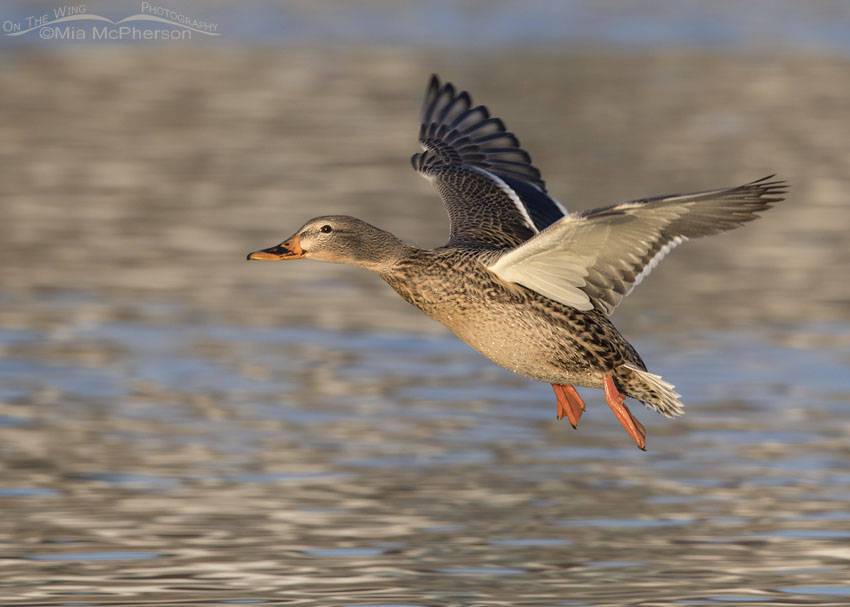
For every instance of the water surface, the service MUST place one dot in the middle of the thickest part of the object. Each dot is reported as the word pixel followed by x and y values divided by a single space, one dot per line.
pixel 180 427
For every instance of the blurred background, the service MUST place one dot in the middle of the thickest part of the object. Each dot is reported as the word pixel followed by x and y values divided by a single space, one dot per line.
pixel 178 426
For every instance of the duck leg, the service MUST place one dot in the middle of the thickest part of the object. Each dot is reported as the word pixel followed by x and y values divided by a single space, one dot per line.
pixel 617 401
pixel 569 403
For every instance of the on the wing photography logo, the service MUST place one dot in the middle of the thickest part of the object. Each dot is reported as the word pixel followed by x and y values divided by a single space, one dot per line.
pixel 73 22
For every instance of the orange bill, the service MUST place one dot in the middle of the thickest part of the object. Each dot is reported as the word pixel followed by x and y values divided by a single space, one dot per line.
pixel 288 249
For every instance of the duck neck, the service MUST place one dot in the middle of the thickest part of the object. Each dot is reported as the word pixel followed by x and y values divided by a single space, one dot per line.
pixel 380 255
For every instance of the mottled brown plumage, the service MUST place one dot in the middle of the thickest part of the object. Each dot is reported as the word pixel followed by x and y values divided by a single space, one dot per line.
pixel 522 281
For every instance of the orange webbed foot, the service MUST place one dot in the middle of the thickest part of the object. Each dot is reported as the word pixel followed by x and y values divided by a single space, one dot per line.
pixel 616 401
pixel 569 403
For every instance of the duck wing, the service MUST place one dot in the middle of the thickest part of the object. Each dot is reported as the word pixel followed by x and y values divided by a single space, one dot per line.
pixel 494 195
pixel 595 258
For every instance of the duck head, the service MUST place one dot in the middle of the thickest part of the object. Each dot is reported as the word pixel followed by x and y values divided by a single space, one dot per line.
pixel 338 239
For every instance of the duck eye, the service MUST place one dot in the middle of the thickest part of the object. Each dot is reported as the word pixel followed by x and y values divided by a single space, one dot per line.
pixel 326 229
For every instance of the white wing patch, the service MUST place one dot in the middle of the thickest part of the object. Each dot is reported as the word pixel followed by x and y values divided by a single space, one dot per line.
pixel 559 273
pixel 587 262
pixel 594 259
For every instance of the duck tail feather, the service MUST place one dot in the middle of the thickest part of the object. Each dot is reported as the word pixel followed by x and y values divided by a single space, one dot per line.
pixel 651 390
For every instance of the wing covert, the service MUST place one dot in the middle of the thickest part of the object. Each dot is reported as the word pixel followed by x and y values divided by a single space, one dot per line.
pixel 595 258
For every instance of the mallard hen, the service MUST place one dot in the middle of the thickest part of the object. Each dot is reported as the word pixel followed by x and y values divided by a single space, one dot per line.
pixel 526 283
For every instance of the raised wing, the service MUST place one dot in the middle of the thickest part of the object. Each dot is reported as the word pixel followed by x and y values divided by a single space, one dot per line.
pixel 494 195
pixel 595 258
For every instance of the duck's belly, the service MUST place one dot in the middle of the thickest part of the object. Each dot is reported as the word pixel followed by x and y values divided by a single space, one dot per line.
pixel 551 354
